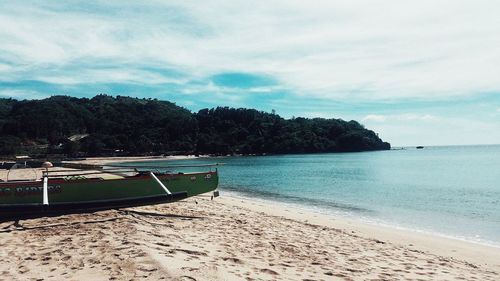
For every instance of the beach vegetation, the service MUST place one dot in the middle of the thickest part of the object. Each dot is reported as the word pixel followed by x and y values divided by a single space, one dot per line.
pixel 107 125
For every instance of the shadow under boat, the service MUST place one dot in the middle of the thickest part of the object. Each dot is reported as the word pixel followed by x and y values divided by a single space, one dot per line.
pixel 36 210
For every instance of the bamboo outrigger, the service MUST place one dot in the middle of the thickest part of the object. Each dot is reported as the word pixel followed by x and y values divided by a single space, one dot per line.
pixel 74 188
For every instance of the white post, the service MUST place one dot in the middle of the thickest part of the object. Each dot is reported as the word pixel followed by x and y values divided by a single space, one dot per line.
pixel 160 183
pixel 45 190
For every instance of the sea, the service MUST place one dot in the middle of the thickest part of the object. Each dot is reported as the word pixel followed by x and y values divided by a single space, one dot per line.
pixel 451 191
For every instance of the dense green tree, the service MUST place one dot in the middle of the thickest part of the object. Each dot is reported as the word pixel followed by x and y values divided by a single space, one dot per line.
pixel 105 125
pixel 9 145
pixel 226 130
pixel 71 148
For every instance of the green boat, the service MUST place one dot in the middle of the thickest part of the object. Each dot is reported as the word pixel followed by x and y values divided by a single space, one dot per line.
pixel 76 188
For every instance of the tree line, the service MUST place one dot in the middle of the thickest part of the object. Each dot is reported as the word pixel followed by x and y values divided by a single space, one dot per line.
pixel 107 125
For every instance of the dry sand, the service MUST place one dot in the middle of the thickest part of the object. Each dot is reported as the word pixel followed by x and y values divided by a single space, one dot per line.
pixel 108 160
pixel 230 238
pixel 227 239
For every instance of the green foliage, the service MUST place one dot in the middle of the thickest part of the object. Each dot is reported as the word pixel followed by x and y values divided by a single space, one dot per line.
pixel 132 126
pixel 9 145
pixel 226 130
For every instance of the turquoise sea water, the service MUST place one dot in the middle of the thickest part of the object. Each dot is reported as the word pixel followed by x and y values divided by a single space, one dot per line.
pixel 453 191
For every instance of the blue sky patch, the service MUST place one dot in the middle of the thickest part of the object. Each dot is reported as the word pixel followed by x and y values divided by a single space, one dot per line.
pixel 242 80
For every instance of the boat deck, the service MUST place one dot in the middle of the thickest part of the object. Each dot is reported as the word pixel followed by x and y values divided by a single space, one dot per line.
pixel 35 174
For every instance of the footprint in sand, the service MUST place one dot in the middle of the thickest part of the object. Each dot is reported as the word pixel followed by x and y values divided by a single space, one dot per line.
pixel 232 259
pixel 268 271
pixel 23 269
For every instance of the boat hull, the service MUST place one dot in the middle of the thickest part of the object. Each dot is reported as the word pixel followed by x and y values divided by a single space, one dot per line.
pixel 24 211
pixel 21 199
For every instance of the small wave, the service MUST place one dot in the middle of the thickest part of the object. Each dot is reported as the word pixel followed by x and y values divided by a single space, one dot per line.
pixel 300 200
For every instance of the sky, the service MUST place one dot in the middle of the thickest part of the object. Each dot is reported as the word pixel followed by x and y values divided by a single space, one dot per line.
pixel 416 72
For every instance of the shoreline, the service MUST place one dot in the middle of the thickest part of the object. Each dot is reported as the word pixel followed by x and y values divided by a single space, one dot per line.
pixel 428 241
pixel 357 219
pixel 471 251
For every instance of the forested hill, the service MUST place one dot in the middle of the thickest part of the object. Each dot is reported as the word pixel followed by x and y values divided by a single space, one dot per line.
pixel 106 125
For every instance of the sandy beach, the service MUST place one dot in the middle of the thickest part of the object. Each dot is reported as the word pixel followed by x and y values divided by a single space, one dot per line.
pixel 230 238
pixel 108 160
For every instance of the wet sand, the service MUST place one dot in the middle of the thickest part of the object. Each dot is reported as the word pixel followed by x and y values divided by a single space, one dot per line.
pixel 228 239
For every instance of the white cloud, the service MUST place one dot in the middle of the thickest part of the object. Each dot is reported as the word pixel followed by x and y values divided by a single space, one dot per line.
pixel 316 114
pixel 22 94
pixel 495 113
pixel 109 75
pixel 438 130
pixel 5 67
pixel 354 50
pixel 399 117
pixel 418 117
pixel 375 117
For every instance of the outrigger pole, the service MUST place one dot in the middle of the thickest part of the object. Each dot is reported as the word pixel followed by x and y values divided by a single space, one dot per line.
pixel 45 189
pixel 46 165
pixel 125 166
pixel 160 183
pixel 165 166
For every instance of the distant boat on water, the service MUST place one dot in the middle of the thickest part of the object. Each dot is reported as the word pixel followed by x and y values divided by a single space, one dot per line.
pixel 420 147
